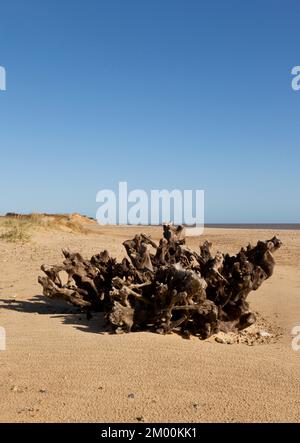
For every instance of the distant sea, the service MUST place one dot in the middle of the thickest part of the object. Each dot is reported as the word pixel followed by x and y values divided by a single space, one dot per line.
pixel 285 226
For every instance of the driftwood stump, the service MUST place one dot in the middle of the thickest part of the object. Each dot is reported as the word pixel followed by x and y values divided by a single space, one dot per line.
pixel 165 287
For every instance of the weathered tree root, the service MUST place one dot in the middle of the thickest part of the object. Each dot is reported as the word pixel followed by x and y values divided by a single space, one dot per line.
pixel 165 287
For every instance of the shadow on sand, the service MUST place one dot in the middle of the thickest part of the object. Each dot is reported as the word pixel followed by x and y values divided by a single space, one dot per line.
pixel 83 321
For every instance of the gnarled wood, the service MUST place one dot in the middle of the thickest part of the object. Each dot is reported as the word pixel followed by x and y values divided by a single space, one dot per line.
pixel 165 287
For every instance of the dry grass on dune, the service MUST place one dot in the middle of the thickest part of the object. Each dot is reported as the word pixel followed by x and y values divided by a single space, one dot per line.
pixel 19 228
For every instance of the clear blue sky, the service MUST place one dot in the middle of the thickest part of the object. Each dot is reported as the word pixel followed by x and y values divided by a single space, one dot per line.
pixel 160 93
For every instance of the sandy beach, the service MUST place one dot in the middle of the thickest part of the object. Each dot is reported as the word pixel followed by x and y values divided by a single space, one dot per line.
pixel 59 366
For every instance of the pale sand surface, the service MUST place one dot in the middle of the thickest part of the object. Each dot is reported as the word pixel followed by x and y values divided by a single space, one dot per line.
pixel 59 367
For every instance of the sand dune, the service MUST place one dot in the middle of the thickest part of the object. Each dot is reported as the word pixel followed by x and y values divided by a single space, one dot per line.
pixel 59 366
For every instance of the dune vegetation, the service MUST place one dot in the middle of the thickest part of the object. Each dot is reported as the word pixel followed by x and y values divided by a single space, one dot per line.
pixel 20 227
